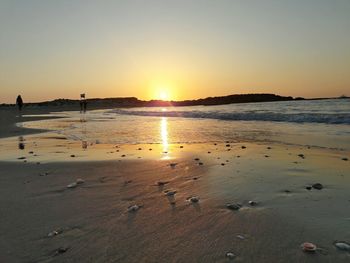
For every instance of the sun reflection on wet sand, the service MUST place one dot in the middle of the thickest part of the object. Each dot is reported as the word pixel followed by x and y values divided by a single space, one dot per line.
pixel 164 136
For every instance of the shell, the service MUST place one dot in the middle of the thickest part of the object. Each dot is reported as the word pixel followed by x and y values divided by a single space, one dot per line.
pixel 80 181
pixel 342 245
pixel 133 208
pixel 308 247
pixel 230 255
pixel 233 206
pixel 253 203
pixel 72 185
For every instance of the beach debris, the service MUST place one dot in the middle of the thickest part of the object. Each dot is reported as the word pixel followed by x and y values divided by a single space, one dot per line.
pixel 342 245
pixel 302 156
pixel 253 203
pixel 161 183
pixel 172 165
pixel 72 185
pixel 308 247
pixel 54 233
pixel 134 208
pixel 230 255
pixel 241 237
pixel 233 206
pixel 61 250
pixel 317 186
pixel 170 192
pixel 193 199
pixel 344 159
pixel 308 187
pixel 243 147
pixel 80 181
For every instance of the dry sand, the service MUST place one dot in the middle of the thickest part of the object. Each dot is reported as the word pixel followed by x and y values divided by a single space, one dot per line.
pixel 94 225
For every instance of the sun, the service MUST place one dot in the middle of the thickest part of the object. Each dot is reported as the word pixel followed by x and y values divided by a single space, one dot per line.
pixel 164 95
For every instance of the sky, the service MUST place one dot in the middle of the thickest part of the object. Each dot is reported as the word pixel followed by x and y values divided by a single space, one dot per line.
pixel 180 49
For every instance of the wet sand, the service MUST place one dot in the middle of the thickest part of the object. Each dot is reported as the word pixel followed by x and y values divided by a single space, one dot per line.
pixel 93 223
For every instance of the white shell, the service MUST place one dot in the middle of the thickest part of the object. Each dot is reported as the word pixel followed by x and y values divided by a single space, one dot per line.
pixel 230 255
pixel 53 233
pixel 342 246
pixel 72 185
pixel 80 181
pixel 133 208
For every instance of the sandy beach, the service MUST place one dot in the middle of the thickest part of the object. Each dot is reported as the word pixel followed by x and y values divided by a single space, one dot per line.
pixel 42 220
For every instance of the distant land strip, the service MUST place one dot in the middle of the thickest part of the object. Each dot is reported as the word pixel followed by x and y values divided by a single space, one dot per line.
pixel 128 102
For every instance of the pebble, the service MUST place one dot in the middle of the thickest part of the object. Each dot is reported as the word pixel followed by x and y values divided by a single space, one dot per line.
pixel 181 146
pixel 253 203
pixel 62 250
pixel 170 193
pixel 193 199
pixel 301 156
pixel 317 186
pixel 80 181
pixel 200 163
pixel 161 183
pixel 342 245
pixel 233 206
pixel 344 159
pixel 308 247
pixel 53 233
pixel 196 159
pixel 172 165
pixel 243 147
pixel 133 208
pixel 308 187
pixel 230 255
pixel 72 155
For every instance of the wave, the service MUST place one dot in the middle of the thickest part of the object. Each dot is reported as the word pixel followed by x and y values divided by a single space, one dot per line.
pixel 334 118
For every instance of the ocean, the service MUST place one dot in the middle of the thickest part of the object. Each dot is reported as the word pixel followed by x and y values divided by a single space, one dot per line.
pixel 317 123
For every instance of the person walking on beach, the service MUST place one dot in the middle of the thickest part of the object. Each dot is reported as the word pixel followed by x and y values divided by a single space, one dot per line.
pixel 83 103
pixel 19 102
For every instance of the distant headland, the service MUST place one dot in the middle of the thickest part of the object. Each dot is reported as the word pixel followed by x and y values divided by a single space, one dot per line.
pixel 128 102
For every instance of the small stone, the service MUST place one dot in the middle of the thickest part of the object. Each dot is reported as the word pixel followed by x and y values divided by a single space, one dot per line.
pixel 181 146
pixel 301 156
pixel 172 165
pixel 62 250
pixel 233 206
pixel 123 155
pixel 253 203
pixel 72 155
pixel 80 181
pixel 150 149
pixel 243 147
pixel 170 193
pixel 308 187
pixel 209 152
pixel 134 208
pixel 31 152
pixel 227 145
pixel 54 233
pixel 161 183
pixel 230 255
pixel 344 159
pixel 222 164
pixel 21 158
pixel 342 245
pixel 308 247
pixel 317 186
pixel 200 163
pixel 196 159
pixel 193 199
pixel 139 149
pixel 269 148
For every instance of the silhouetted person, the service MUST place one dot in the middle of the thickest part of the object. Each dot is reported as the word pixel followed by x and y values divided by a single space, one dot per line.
pixel 19 102
pixel 83 103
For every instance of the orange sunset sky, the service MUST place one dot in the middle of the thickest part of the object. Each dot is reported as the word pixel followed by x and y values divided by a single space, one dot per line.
pixel 182 49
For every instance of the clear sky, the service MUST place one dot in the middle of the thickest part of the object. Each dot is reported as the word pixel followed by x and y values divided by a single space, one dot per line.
pixel 180 49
